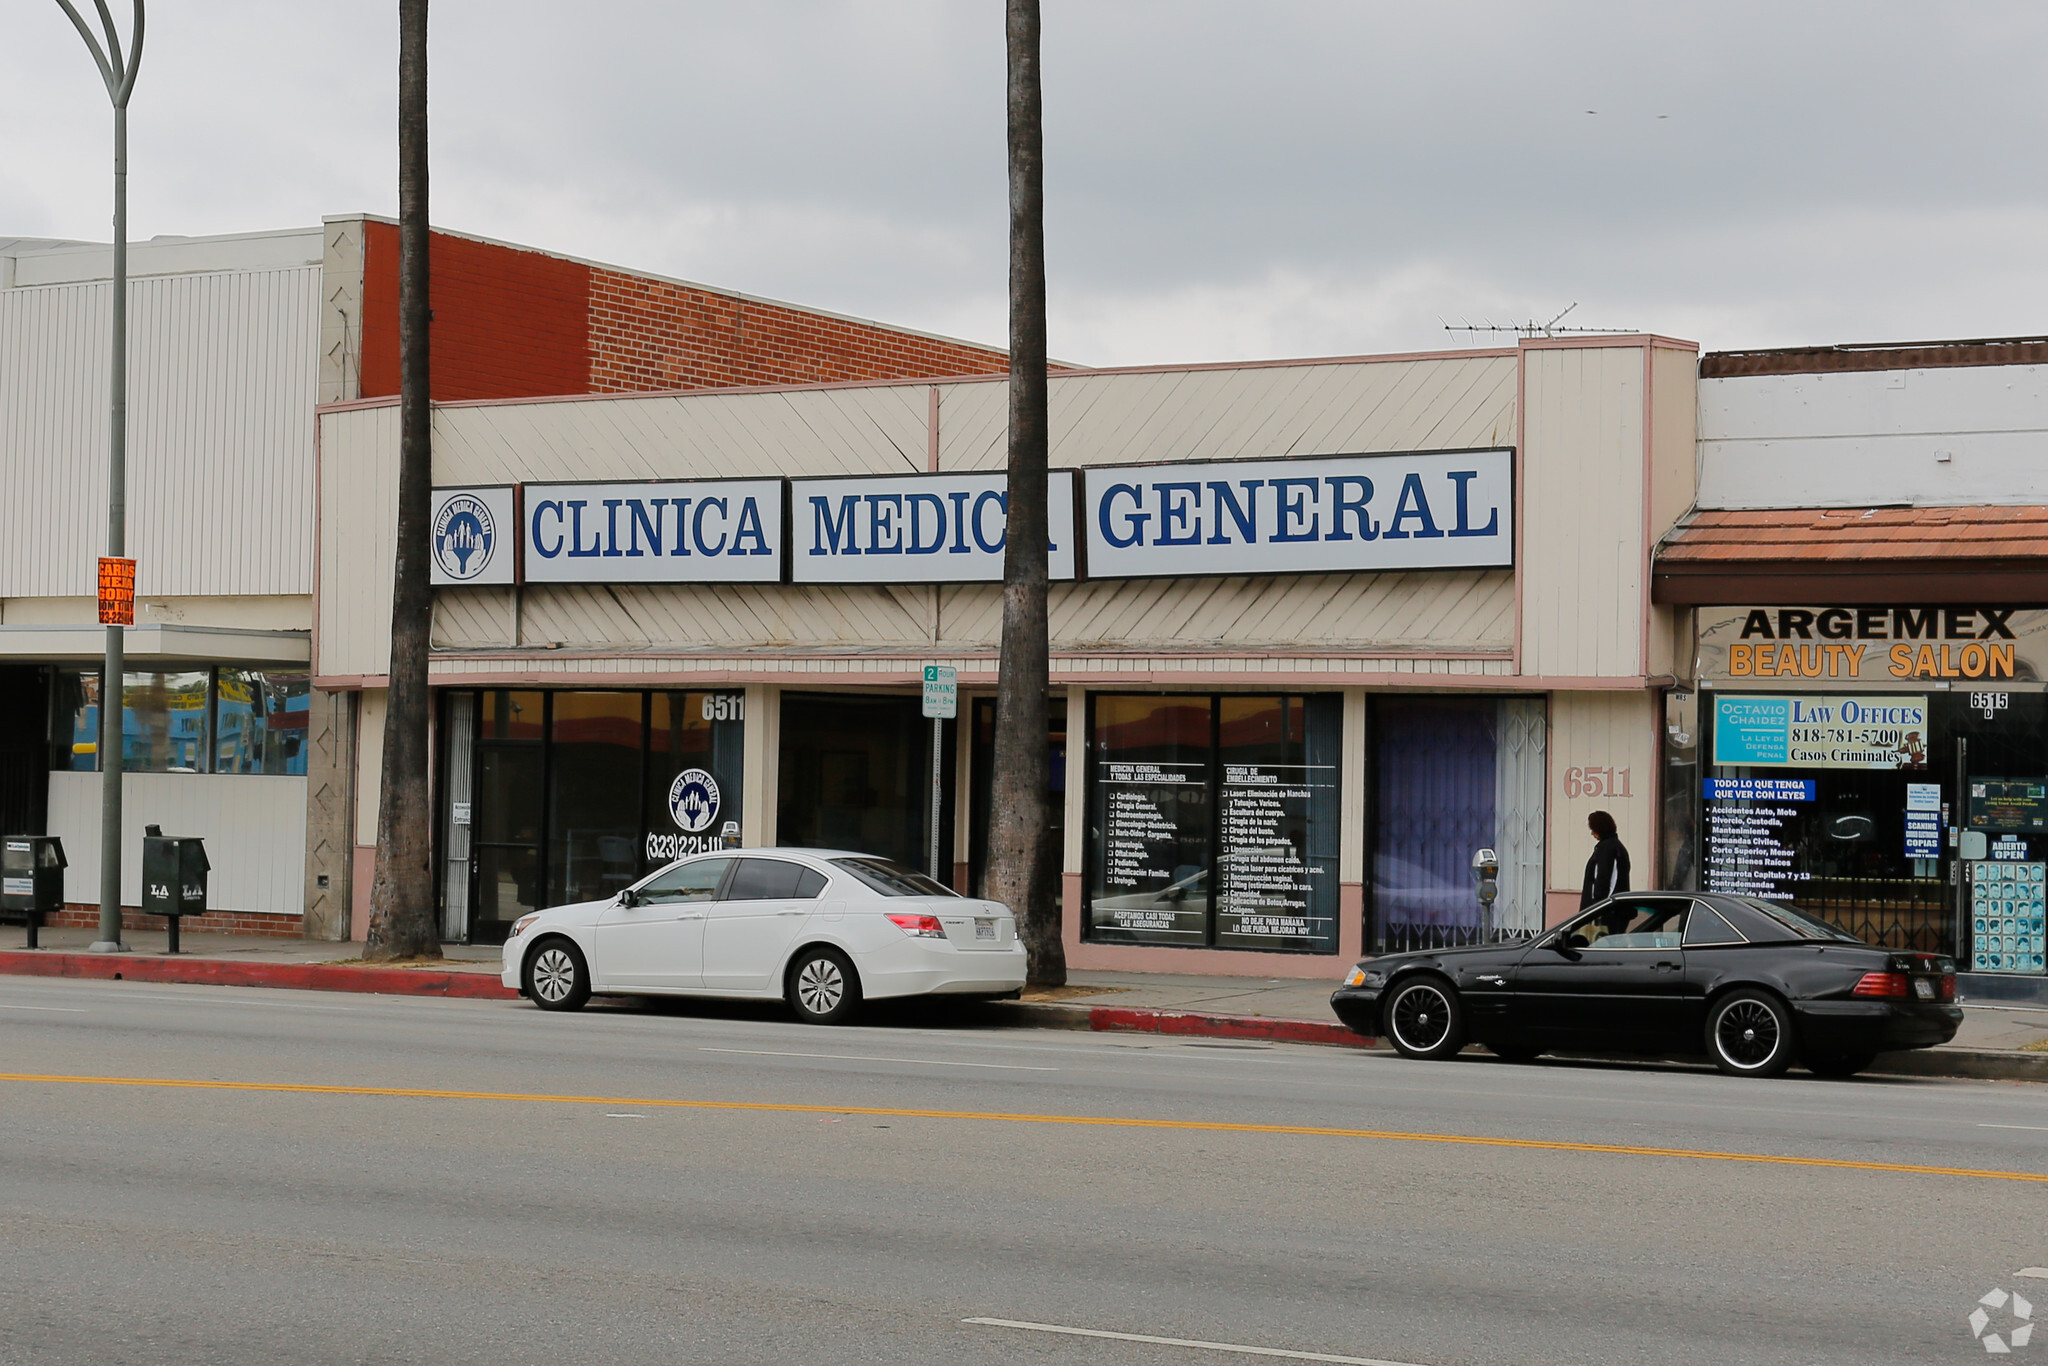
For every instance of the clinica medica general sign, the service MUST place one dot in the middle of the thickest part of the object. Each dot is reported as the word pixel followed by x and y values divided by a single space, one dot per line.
pixel 1316 514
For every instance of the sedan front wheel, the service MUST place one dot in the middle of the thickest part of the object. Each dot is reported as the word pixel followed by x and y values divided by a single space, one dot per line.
pixel 1425 1019
pixel 557 978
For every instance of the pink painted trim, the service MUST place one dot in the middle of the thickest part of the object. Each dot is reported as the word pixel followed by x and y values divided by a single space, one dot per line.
pixel 450 657
pixel 1618 341
pixel 475 986
pixel 1649 474
pixel 1305 680
pixel 313 636
pixel 1521 478
pixel 350 682
pixel 1056 374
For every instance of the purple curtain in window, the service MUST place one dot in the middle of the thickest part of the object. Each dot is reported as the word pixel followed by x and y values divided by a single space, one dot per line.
pixel 1436 788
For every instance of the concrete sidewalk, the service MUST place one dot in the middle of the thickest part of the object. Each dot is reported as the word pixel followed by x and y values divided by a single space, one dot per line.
pixel 1996 1040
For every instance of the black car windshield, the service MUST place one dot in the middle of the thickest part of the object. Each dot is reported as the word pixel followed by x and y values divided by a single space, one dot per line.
pixel 1798 921
pixel 892 879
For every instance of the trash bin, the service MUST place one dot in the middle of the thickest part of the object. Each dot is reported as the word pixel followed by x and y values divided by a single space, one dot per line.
pixel 32 879
pixel 174 869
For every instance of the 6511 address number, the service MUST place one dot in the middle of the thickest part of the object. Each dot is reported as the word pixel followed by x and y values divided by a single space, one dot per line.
pixel 1597 782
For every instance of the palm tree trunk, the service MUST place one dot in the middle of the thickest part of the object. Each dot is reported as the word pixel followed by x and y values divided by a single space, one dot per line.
pixel 1022 863
pixel 402 917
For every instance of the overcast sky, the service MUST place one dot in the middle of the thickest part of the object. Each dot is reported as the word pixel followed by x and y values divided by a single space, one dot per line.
pixel 1222 181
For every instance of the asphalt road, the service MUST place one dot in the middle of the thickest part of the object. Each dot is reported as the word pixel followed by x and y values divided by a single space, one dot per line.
pixel 219 1223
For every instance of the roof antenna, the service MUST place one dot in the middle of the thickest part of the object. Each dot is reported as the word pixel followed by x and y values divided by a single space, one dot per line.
pixel 1532 328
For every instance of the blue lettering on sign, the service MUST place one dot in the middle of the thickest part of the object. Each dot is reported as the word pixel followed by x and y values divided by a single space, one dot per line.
pixel 578 550
pixel 641 522
pixel 1465 528
pixel 705 505
pixel 1354 507
pixel 1134 520
pixel 682 507
pixel 611 517
pixel 1003 506
pixel 915 542
pixel 885 524
pixel 1762 789
pixel 1299 509
pixel 750 530
pixel 1413 506
pixel 1179 504
pixel 539 547
pixel 1246 517
pixel 834 535
pixel 959 546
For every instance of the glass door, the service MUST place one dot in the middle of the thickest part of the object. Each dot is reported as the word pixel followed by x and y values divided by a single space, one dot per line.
pixel 506 815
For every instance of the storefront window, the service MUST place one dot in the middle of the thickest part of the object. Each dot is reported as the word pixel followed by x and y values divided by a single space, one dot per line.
pixel 856 775
pixel 694 783
pixel 75 720
pixel 1456 775
pixel 1213 821
pixel 163 722
pixel 594 786
pixel 260 721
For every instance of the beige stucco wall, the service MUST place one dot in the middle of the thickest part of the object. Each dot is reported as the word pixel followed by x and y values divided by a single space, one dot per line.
pixel 1603 731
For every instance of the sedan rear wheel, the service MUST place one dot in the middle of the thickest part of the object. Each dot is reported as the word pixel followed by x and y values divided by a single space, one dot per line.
pixel 1425 1019
pixel 823 987
pixel 1749 1034
pixel 557 978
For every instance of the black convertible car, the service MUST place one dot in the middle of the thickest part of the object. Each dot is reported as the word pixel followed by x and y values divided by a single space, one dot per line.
pixel 1753 984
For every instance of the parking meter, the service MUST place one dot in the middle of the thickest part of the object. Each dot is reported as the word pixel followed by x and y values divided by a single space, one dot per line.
pixel 1486 867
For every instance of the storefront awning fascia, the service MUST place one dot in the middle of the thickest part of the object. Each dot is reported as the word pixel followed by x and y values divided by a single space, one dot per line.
pixel 156 643
pixel 1855 555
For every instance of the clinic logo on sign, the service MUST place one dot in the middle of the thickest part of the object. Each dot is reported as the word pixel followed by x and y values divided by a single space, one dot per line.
pixel 693 801
pixel 464 535
pixel 2012 1328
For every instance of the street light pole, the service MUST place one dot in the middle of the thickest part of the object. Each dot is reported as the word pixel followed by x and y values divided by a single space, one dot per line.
pixel 119 74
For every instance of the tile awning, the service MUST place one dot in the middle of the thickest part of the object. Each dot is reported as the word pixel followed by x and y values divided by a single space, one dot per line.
pixel 1995 554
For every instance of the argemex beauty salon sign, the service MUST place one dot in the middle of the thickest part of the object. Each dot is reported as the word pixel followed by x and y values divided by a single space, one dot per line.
pixel 1823 646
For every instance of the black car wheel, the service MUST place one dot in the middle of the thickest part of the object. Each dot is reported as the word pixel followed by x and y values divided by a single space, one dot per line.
pixel 557 978
pixel 823 987
pixel 1749 1034
pixel 1425 1019
pixel 1840 1064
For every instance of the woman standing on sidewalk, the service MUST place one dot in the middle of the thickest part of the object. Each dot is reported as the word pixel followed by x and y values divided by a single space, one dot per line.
pixel 1607 869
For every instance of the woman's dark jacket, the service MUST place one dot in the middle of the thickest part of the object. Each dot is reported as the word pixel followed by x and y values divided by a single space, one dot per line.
pixel 1606 872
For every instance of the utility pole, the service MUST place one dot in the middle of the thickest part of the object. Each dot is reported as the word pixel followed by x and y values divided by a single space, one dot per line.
pixel 118 72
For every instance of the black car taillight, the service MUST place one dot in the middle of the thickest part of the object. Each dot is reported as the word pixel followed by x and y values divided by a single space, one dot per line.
pixel 1948 986
pixel 1884 984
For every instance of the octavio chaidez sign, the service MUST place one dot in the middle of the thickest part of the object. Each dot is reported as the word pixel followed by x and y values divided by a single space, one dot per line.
pixel 693 804
pixel 681 531
pixel 917 528
pixel 1318 514
pixel 474 536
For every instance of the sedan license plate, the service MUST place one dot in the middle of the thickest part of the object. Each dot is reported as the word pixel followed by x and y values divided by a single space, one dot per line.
pixel 984 929
pixel 1923 988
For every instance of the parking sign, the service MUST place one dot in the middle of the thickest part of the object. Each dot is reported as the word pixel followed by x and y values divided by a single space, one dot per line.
pixel 941 692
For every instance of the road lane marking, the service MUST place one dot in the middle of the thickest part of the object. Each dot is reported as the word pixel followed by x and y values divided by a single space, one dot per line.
pixel 2038 1272
pixel 1207 1126
pixel 2035 1128
pixel 858 1057
pixel 67 1010
pixel 1185 1342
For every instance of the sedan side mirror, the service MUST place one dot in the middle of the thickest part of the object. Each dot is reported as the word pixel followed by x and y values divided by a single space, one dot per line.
pixel 628 898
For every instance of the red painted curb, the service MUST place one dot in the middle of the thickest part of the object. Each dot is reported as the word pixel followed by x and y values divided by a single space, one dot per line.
pixel 1134 1019
pixel 219 972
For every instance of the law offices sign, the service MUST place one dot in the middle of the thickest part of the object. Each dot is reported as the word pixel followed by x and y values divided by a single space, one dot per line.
pixel 1903 645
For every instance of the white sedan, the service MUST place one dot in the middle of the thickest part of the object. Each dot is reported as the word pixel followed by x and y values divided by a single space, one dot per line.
pixel 821 928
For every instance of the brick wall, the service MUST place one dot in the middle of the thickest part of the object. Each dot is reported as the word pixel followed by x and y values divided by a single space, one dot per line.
pixel 81 917
pixel 515 323
pixel 652 334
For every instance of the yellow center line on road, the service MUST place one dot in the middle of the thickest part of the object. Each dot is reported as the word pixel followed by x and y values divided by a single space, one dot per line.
pixel 1207 1126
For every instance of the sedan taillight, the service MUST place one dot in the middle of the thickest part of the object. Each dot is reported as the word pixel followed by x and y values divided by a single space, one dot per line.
pixel 919 926
pixel 1948 986
pixel 1884 984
